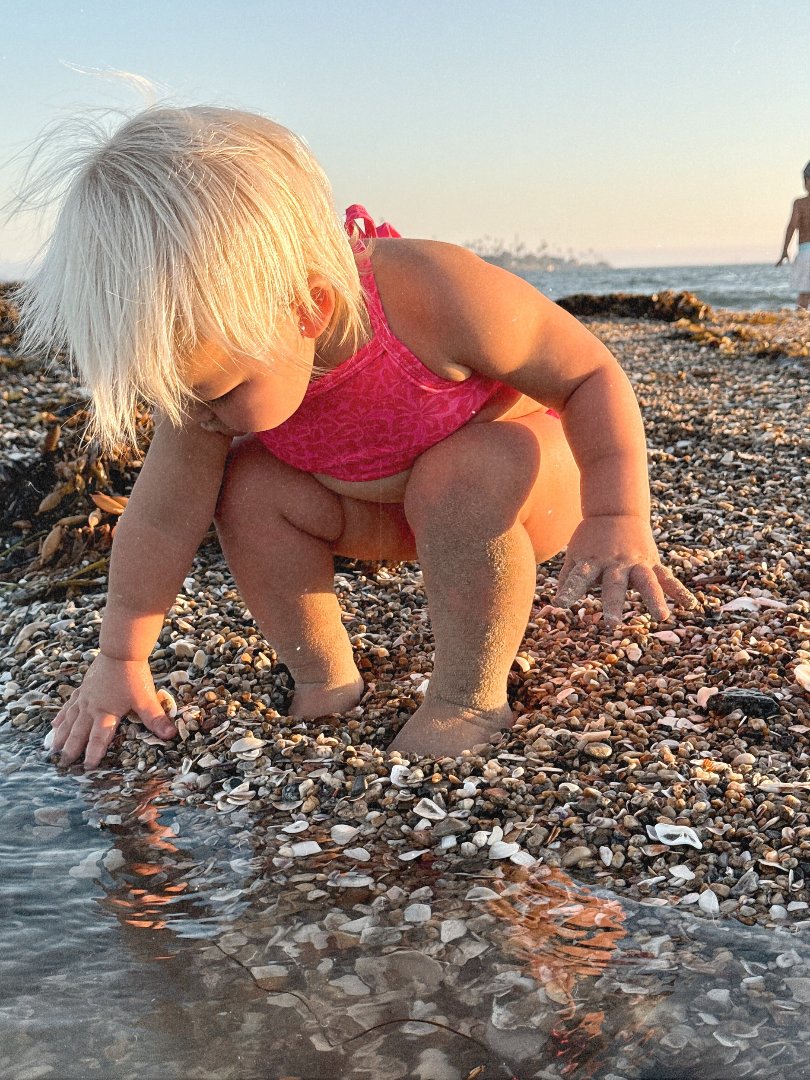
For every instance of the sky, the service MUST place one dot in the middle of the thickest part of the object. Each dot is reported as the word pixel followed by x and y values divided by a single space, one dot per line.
pixel 645 132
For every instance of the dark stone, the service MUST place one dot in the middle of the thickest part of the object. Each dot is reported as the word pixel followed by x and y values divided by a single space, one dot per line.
pixel 749 702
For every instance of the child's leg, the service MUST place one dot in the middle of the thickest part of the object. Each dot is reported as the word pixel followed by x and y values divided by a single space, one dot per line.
pixel 485 506
pixel 278 528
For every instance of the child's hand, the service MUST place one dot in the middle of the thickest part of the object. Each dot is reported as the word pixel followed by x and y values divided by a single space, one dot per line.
pixel 88 719
pixel 619 551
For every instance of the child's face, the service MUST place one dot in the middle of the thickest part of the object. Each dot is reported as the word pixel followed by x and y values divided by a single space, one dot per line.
pixel 241 395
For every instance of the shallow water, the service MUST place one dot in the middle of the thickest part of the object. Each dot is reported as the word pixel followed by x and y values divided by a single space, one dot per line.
pixel 145 940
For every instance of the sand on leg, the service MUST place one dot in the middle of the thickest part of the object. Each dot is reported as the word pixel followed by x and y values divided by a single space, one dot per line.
pixel 279 529
pixel 485 505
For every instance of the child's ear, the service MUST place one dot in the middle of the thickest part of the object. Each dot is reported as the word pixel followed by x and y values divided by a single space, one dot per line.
pixel 313 323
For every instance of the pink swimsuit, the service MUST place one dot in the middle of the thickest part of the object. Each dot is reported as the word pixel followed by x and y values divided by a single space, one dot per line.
pixel 374 414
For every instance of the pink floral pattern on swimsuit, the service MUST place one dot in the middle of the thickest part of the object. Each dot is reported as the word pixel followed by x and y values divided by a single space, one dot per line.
pixel 379 410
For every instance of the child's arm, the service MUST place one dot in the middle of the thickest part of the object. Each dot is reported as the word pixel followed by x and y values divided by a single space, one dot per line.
pixel 792 226
pixel 495 323
pixel 171 507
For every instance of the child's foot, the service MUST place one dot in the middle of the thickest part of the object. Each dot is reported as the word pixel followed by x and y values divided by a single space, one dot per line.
pixel 442 729
pixel 322 699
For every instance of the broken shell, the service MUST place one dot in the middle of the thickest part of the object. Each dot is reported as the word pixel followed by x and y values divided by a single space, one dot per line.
pixel 708 902
pixel 674 834
pixel 681 873
pixel 400 775
pixel 167 702
pixel 342 834
pixel 302 848
pixel 427 808
pixel 247 745
pixel 296 827
pixel 502 850
pixel 801 673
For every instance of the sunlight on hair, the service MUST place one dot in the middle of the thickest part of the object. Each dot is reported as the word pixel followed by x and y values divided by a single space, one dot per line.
pixel 182 225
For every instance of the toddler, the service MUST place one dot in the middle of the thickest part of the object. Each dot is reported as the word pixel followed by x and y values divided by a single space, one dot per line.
pixel 319 392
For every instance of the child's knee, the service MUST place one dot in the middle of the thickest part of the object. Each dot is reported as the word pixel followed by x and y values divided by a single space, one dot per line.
pixel 477 483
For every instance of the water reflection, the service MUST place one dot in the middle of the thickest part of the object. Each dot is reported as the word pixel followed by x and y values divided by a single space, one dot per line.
pixel 146 939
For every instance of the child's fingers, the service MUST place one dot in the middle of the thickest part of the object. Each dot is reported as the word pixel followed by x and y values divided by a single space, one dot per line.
pixel 76 740
pixel 676 589
pixel 577 583
pixel 98 743
pixel 160 726
pixel 614 593
pixel 68 716
pixel 153 717
pixel 645 582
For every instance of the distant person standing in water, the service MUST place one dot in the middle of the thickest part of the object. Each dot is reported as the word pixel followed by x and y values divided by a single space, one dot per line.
pixel 800 219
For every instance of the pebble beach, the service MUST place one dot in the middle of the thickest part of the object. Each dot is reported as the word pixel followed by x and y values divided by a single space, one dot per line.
pixel 664 765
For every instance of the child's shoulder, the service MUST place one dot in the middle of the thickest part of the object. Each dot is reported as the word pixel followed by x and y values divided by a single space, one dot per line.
pixel 433 277
pixel 444 300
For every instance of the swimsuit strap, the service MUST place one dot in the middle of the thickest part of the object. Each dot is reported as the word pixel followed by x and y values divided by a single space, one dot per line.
pixel 361 228
pixel 357 214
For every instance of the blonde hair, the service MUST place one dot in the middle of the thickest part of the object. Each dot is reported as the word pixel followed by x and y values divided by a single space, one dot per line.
pixel 184 224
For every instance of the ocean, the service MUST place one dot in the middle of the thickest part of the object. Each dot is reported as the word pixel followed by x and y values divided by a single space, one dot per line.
pixel 738 287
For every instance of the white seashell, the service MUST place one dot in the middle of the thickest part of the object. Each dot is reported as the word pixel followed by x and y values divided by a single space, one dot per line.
pixel 682 873
pixel 248 743
pixel 451 929
pixel 342 834
pixel 606 855
pixel 523 858
pixel 447 842
pixel 753 603
pixel 238 795
pixel 296 827
pixel 708 902
pixel 500 850
pixel 358 853
pixel 427 808
pixel 672 835
pixel 351 880
pixel 481 892
pixel 496 835
pixel 400 775
pixel 304 847
pixel 801 673
pixel 690 898
pixel 50 735
pixel 417 913
pixel 167 702
pixel 409 856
